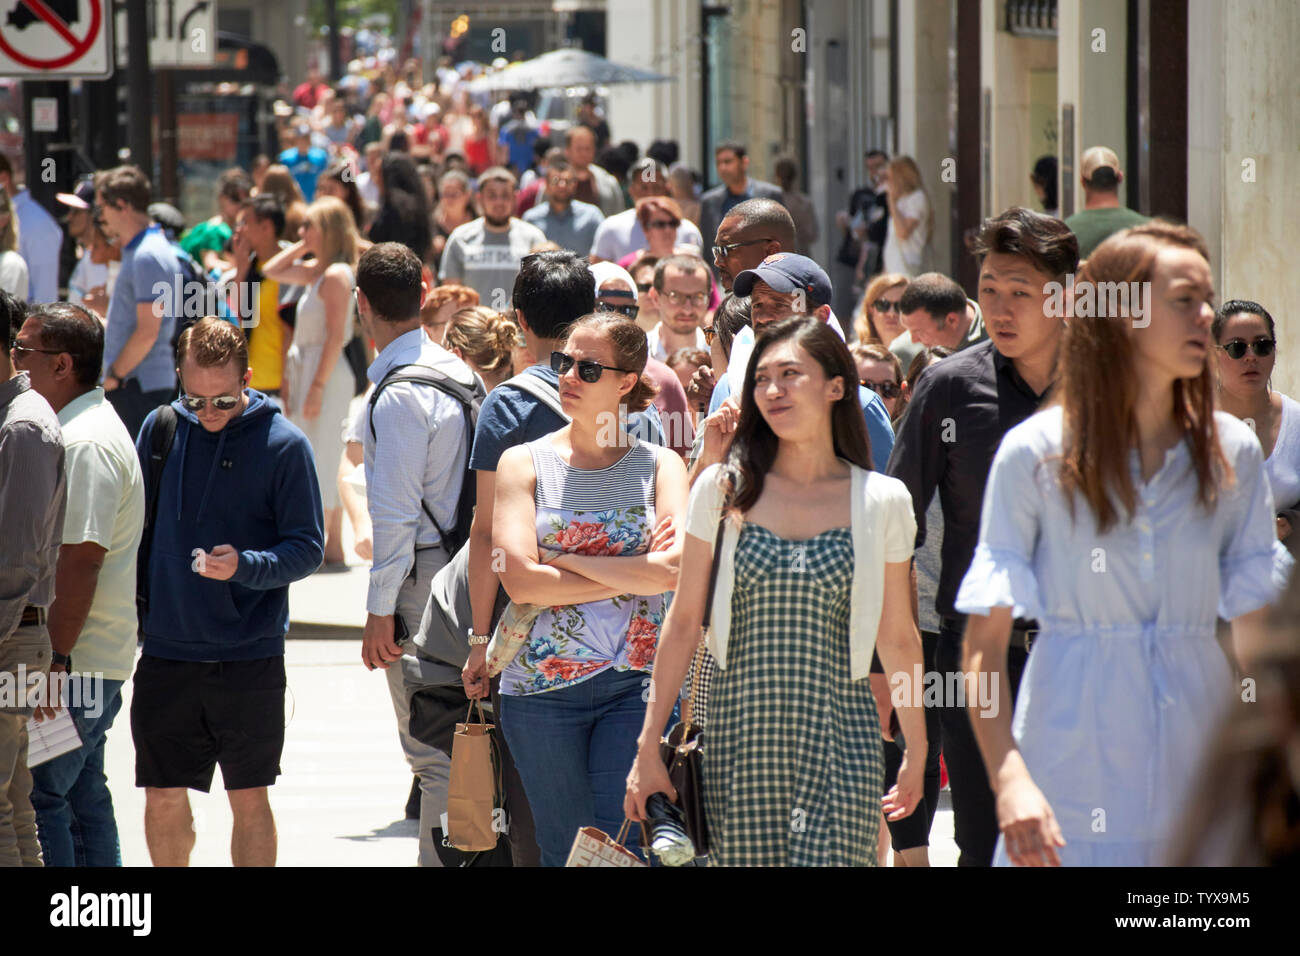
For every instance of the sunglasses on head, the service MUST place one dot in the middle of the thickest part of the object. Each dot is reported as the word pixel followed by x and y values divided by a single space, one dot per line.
pixel 222 403
pixel 589 371
pixel 630 309
pixel 1237 348
pixel 883 389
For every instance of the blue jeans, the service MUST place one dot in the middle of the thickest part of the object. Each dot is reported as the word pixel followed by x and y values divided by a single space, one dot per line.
pixel 74 811
pixel 574 748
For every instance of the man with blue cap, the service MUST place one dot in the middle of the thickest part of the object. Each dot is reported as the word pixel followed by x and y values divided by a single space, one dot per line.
pixel 786 284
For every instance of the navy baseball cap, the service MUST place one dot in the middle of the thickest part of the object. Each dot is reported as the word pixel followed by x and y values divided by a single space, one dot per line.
pixel 788 272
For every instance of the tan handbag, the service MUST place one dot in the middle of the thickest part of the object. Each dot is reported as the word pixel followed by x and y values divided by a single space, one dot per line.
pixel 593 847
pixel 474 790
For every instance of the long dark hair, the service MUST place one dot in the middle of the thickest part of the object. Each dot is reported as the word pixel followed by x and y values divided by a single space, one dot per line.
pixel 404 206
pixel 754 448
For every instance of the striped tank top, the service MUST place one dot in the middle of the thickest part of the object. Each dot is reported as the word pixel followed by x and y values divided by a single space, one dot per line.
pixel 608 511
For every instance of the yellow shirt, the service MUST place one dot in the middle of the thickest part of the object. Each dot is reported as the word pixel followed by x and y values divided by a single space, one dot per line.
pixel 266 339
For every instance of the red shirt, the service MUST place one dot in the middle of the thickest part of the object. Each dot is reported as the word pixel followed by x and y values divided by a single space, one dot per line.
pixel 307 95
pixel 674 409
pixel 479 154
pixel 528 196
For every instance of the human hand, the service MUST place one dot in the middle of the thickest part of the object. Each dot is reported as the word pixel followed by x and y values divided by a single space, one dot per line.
pixel 648 776
pixel 905 795
pixel 312 403
pixel 96 300
pixel 721 430
pixel 378 649
pixel 219 564
pixel 56 686
pixel 364 546
pixel 1028 826
pixel 663 535
pixel 701 386
pixel 474 674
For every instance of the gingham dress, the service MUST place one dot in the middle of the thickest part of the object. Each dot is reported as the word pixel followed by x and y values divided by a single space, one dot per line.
pixel 793 768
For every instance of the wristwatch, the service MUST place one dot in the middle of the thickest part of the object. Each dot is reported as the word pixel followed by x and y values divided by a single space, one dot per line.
pixel 478 640
pixel 64 659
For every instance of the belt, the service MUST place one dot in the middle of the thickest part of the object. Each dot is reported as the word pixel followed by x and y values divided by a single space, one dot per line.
pixel 1023 635
pixel 32 615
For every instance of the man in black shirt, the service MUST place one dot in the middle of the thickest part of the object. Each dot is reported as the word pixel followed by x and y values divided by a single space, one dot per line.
pixel 961 408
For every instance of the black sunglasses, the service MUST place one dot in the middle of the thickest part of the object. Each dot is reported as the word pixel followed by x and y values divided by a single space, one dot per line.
pixel 880 305
pixel 222 403
pixel 589 371
pixel 1237 348
pixel 629 310
pixel 883 389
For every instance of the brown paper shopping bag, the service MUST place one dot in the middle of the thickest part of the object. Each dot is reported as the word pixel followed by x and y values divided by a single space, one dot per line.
pixel 594 847
pixel 472 792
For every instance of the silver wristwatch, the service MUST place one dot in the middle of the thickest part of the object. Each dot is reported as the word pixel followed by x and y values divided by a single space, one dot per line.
pixel 477 640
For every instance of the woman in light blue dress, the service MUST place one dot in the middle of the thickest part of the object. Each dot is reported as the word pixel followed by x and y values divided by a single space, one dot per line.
pixel 1123 519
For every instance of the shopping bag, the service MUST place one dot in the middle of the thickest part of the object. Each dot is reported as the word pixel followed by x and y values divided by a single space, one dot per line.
pixel 594 847
pixel 472 792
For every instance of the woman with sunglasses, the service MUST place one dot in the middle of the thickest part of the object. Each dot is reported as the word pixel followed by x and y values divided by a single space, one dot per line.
pixel 1123 519
pixel 812 576
pixel 602 506
pixel 659 217
pixel 1247 350
pixel 878 320
pixel 880 370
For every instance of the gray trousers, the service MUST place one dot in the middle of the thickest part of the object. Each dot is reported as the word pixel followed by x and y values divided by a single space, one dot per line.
pixel 29 645
pixel 431 765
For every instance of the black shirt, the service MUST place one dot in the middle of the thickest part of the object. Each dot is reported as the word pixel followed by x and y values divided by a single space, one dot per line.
pixel 961 408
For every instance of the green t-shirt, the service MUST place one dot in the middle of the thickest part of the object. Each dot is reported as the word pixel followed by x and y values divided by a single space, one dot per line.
pixel 210 234
pixel 1093 226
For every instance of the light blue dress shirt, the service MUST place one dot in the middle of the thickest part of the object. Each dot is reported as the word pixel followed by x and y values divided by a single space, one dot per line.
pixel 1126 683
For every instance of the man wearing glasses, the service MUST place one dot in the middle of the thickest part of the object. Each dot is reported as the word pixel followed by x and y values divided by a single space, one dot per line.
pixel 680 295
pixel 748 234
pixel 238 518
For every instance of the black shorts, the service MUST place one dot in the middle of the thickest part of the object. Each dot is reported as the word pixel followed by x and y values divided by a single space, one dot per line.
pixel 189 716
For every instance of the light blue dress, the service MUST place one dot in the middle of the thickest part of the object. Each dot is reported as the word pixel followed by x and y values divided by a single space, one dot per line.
pixel 1126 683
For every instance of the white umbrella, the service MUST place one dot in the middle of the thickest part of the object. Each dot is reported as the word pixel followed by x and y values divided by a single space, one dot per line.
pixel 563 68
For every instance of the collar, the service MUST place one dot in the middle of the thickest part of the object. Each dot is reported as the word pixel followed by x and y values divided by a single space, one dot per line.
pixel 14 387
pixel 395 352
pixel 82 403
pixel 1005 366
pixel 140 236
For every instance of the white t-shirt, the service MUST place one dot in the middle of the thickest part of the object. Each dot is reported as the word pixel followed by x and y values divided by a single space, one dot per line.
pixel 656 343
pixel 908 255
pixel 86 276
pixel 621 234
pixel 14 277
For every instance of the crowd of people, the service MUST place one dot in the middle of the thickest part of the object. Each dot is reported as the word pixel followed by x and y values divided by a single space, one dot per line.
pixel 548 375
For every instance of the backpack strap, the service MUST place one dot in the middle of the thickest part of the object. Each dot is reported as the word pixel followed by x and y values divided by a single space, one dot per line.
pixel 540 389
pixel 464 395
pixel 161 438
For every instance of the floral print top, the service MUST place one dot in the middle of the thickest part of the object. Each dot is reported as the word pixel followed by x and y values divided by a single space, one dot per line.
pixel 610 511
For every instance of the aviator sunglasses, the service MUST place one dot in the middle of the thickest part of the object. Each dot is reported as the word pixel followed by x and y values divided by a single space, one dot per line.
pixel 222 403
pixel 1237 348
pixel 589 371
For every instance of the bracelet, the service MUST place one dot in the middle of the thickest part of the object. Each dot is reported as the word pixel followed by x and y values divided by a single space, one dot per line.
pixel 477 640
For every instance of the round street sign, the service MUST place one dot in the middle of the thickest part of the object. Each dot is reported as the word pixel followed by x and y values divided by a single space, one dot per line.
pixel 38 37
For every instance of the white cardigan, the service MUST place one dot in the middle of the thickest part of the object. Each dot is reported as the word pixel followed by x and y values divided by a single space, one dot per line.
pixel 884 531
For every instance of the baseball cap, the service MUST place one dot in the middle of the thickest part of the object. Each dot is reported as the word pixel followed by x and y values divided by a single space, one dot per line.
pixel 1096 158
pixel 788 272
pixel 82 196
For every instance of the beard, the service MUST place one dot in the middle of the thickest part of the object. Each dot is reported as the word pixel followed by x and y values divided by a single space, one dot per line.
pixel 495 222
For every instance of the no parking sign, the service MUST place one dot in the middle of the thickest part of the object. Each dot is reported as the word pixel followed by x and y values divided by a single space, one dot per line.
pixel 56 38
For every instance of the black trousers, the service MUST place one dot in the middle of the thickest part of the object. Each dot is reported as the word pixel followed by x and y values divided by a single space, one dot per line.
pixel 973 804
pixel 914 830
pixel 133 405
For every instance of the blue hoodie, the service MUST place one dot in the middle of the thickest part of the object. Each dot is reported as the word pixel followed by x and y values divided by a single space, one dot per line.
pixel 253 486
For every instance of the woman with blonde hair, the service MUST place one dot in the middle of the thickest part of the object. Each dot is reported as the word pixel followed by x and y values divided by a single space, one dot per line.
pixel 485 341
pixel 878 320
pixel 1124 519
pixel 14 277
pixel 318 384
pixel 911 219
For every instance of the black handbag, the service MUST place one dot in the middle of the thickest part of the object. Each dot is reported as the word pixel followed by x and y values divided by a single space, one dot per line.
pixel 683 747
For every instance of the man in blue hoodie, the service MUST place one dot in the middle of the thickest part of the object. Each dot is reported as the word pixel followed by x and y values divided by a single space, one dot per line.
pixel 238 519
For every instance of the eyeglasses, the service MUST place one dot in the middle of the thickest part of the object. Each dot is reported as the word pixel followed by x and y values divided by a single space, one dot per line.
pixel 589 371
pixel 1237 348
pixel 222 403
pixel 709 334
pixel 722 252
pixel 880 305
pixel 630 310
pixel 23 348
pixel 883 389
pixel 696 299
pixel 644 287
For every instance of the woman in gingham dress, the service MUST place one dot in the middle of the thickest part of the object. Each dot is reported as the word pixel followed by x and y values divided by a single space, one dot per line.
pixel 813 576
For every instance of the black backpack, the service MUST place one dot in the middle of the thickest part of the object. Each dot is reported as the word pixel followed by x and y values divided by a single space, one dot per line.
pixel 470 399
pixel 160 446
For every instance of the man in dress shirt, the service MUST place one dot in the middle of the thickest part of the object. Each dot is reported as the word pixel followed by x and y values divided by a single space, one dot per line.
pixel 39 239
pixel 960 409
pixel 415 450
pixel 32 497
pixel 94 611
